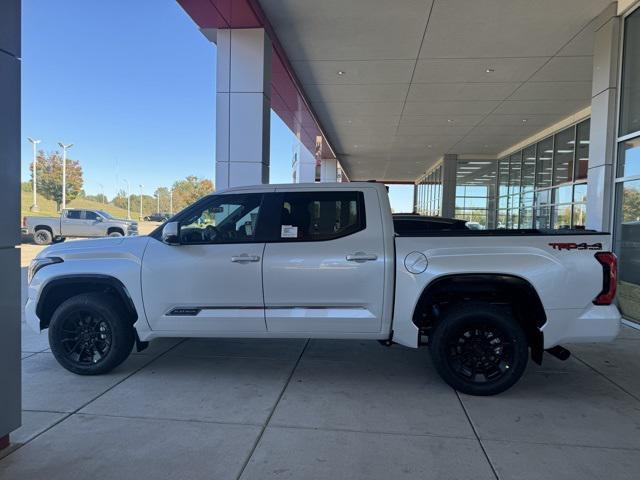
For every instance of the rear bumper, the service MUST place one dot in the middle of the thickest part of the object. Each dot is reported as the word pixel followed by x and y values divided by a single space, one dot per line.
pixel 595 323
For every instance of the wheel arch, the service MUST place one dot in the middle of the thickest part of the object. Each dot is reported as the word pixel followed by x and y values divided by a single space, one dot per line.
pixel 512 291
pixel 115 229
pixel 61 288
pixel 43 227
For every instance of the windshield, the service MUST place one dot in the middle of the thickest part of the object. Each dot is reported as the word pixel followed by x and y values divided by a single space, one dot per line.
pixel 105 214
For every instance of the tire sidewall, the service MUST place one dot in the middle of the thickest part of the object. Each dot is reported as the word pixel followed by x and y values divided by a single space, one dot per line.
pixel 48 238
pixel 122 332
pixel 467 316
pixel 116 234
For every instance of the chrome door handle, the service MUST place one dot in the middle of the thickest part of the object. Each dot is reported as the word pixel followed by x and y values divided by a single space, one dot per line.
pixel 361 257
pixel 245 258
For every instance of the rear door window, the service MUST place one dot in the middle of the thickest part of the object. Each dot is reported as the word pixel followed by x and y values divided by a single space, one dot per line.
pixel 74 214
pixel 319 216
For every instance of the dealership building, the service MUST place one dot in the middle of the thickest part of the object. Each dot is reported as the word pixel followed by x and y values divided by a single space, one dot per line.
pixel 509 114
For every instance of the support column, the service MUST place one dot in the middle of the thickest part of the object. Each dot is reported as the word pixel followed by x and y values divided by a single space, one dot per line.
pixel 328 170
pixel 10 135
pixel 602 143
pixel 243 106
pixel 449 164
pixel 304 165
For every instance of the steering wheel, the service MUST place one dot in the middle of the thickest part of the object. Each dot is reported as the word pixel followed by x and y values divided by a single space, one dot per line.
pixel 210 233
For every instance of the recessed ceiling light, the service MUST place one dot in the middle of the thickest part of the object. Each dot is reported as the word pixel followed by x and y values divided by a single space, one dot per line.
pixel 428 146
pixel 524 120
pixel 341 72
pixel 355 146
pixel 449 120
pixel 489 70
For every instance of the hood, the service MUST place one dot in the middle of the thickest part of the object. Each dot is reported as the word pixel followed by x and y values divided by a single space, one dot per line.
pixel 94 245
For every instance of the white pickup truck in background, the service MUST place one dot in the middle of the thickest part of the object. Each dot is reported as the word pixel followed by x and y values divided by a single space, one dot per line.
pixel 326 261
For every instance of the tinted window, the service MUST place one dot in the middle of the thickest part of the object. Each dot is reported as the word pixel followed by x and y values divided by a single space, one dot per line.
pixel 222 219
pixel 314 216
pixel 89 215
pixel 73 214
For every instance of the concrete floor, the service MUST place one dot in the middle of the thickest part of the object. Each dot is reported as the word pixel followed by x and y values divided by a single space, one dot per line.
pixel 290 409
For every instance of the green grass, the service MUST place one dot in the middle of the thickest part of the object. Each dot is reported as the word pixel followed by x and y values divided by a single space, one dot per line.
pixel 48 207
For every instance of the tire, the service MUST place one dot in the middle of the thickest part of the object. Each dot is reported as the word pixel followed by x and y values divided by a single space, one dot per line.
pixel 42 237
pixel 479 348
pixel 90 334
pixel 116 233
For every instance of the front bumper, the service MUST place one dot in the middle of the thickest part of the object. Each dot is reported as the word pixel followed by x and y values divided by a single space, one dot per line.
pixel 595 323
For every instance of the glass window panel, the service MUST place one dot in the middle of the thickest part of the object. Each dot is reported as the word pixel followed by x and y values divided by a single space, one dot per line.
pixel 528 168
pixel 563 194
pixel 544 157
pixel 580 193
pixel 526 218
pixel 503 202
pixel 562 217
pixel 501 222
pixel 579 215
pixel 512 218
pixel 515 169
pixel 543 218
pixel 630 91
pixel 563 159
pixel 503 177
pixel 223 219
pixel 582 149
pixel 629 158
pixel 544 197
pixel 627 240
pixel 527 199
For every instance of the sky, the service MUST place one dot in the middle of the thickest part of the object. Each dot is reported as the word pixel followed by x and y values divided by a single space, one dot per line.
pixel 132 85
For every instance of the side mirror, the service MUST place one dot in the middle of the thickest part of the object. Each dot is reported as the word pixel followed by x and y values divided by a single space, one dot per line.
pixel 171 233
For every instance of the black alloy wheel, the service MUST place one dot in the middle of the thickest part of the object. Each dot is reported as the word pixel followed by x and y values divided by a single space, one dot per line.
pixel 91 333
pixel 479 348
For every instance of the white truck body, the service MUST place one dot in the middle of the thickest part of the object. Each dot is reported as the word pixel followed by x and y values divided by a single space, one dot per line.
pixel 364 285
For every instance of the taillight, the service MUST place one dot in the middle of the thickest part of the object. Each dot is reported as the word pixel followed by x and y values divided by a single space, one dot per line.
pixel 609 278
pixel 24 221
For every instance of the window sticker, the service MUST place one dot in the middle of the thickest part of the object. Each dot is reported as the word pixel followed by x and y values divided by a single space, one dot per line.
pixel 288 231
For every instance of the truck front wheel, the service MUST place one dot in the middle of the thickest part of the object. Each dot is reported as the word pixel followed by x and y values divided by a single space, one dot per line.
pixel 479 348
pixel 90 334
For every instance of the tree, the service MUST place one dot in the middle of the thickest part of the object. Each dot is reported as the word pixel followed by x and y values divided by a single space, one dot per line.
pixel 49 178
pixel 631 205
pixel 187 191
pixel 163 194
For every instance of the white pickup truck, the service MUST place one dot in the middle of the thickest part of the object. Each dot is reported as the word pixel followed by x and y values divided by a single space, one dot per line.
pixel 324 261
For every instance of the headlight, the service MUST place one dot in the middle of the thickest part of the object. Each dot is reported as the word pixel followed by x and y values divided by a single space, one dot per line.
pixel 38 263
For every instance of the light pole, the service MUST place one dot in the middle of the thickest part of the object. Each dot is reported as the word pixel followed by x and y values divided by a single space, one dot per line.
pixel 64 172
pixel 34 207
pixel 141 200
pixel 102 191
pixel 171 201
pixel 128 198
pixel 158 200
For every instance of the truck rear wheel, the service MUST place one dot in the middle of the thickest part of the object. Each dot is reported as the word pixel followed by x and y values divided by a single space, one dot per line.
pixel 42 237
pixel 479 349
pixel 89 334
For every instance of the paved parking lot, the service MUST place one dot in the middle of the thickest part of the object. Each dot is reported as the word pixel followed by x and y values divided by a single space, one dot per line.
pixel 297 409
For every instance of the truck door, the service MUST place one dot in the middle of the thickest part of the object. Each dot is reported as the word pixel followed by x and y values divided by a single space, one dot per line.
pixel 93 224
pixel 71 224
pixel 324 263
pixel 212 281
